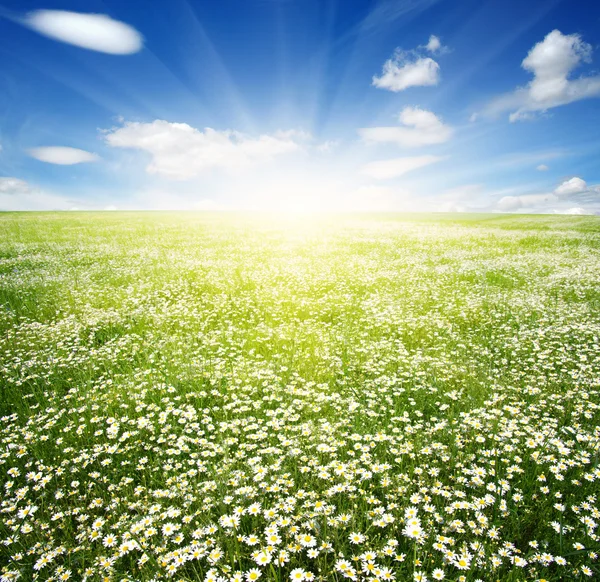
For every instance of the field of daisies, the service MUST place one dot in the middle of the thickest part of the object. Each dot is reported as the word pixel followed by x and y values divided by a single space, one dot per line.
pixel 236 398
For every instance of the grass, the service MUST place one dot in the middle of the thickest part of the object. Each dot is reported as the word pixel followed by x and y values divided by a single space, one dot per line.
pixel 227 397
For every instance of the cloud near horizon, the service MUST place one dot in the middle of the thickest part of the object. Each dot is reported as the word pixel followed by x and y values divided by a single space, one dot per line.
pixel 17 194
pixel 560 201
pixel 386 169
pixel 179 151
pixel 14 186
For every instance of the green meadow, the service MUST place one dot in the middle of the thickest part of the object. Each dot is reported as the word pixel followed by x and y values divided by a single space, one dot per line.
pixel 228 397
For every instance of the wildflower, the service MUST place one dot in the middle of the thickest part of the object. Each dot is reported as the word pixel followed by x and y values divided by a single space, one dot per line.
pixel 298 574
pixel 263 558
pixel 168 529
pixel 308 541
pixel 253 574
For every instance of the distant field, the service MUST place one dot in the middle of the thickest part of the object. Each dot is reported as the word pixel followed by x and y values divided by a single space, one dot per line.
pixel 228 397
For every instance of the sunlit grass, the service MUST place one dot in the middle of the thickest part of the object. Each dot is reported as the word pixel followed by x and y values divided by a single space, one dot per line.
pixel 224 397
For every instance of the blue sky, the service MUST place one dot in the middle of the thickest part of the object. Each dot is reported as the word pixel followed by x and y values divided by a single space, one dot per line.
pixel 435 105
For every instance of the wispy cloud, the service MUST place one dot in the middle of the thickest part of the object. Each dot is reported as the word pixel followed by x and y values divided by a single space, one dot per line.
pixel 328 146
pixel 529 158
pixel 387 12
pixel 465 198
pixel 387 169
pixel 419 127
pixel 62 156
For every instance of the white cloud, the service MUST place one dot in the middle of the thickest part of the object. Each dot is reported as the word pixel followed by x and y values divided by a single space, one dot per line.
pixel 62 155
pixel 293 134
pixel 14 186
pixel 577 210
pixel 551 61
pixel 419 128
pixel 521 116
pixel 570 187
pixel 525 202
pixel 462 198
pixel 542 168
pixel 97 32
pixel 399 73
pixel 572 196
pixel 576 190
pixel 434 44
pixel 181 152
pixel 411 68
pixel 328 146
pixel 386 169
pixel 17 194
pixel 33 201
pixel 465 198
